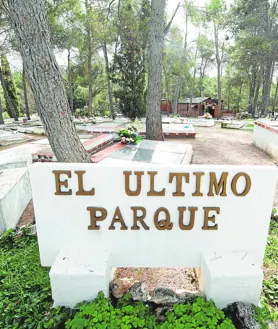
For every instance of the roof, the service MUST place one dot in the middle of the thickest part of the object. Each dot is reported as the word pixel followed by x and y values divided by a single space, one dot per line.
pixel 195 100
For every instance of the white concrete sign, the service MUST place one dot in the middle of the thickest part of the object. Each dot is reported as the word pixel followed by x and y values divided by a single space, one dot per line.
pixel 152 216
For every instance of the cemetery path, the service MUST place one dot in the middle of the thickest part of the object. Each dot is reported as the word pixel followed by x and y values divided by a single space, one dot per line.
pixel 227 146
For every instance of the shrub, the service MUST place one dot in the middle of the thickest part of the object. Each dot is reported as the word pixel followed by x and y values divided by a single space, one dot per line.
pixel 201 315
pixel 129 315
pixel 102 314
pixel 5 115
pixel 25 293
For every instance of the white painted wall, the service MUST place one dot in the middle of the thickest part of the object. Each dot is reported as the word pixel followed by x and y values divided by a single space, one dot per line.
pixel 266 140
pixel 15 194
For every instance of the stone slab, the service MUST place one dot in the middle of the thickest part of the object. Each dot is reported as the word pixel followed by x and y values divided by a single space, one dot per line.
pixel 78 274
pixel 233 276
pixel 15 194
pixel 166 153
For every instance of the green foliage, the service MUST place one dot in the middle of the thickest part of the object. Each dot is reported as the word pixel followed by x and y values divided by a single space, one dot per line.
pixel 129 315
pixel 201 315
pixel 25 293
pixel 5 115
pixel 9 82
pixel 265 314
pixel 102 314
pixel 129 135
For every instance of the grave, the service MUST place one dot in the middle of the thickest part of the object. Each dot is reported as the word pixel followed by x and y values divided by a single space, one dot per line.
pixel 153 152
pixel 15 194
pixel 266 137
pixel 92 218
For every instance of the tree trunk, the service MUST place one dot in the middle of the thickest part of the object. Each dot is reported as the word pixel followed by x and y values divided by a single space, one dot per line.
pixel 109 85
pixel 7 97
pixel 90 55
pixel 70 83
pixel 257 91
pixel 30 24
pixel 176 94
pixel 178 78
pixel 267 87
pixel 153 120
pixel 27 110
pixel 1 113
pixel 239 96
pixel 218 61
pixel 275 98
pixel 194 76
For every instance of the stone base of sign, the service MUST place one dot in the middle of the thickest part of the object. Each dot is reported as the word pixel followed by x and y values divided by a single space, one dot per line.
pixel 78 274
pixel 15 194
pixel 228 277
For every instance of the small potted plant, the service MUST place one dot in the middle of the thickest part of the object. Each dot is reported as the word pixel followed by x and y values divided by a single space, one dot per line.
pixel 129 135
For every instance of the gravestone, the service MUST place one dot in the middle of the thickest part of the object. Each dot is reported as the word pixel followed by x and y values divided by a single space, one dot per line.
pixel 91 218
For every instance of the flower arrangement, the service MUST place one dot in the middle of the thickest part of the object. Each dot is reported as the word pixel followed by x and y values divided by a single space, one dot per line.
pixel 129 135
pixel 208 115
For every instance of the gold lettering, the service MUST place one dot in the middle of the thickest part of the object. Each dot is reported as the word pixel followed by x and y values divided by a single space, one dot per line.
pixel 222 184
pixel 208 219
pixel 60 183
pixel 198 183
pixel 179 177
pixel 152 192
pixel 118 218
pixel 81 191
pixel 190 226
pixel 127 175
pixel 248 184
pixel 163 224
pixel 137 218
pixel 94 219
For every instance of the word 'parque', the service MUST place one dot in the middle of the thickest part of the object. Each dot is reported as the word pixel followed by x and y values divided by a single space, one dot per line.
pixel 161 217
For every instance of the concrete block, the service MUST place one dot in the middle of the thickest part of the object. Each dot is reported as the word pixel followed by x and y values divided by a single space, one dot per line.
pixel 228 277
pixel 15 194
pixel 78 274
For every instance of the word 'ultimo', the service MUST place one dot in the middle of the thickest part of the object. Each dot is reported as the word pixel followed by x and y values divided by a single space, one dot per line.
pixel 216 187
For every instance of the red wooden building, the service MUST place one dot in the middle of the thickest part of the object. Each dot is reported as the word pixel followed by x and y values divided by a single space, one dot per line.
pixel 199 106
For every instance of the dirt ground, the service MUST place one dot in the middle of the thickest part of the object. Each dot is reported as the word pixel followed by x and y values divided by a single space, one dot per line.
pixel 227 146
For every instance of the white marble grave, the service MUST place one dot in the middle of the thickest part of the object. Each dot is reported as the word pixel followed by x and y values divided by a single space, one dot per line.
pixel 15 194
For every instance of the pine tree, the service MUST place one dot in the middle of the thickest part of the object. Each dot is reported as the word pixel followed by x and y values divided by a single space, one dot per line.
pixel 129 71
pixel 10 86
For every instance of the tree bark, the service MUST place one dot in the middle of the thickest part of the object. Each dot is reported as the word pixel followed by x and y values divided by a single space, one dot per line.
pixel 178 77
pixel 30 24
pixel 1 113
pixel 267 86
pixel 275 98
pixel 153 120
pixel 90 55
pixel 194 76
pixel 27 110
pixel 218 61
pixel 7 97
pixel 109 85
pixel 257 91
pixel 239 96
pixel 70 83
